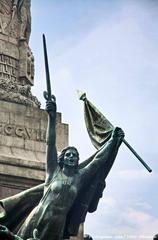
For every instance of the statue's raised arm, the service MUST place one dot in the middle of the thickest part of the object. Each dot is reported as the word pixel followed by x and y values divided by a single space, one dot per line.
pixel 105 156
pixel 51 152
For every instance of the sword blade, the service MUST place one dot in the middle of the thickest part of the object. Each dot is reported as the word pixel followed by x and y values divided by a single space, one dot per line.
pixel 47 68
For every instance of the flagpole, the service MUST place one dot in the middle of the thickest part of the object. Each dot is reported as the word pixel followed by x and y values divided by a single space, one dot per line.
pixel 137 156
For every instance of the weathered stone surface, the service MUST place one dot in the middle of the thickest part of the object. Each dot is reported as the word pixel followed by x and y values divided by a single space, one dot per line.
pixel 23 132
pixel 16 58
pixel 23 146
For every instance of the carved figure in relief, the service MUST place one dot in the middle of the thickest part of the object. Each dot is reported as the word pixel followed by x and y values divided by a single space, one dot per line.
pixel 15 18
pixel 5 13
pixel 10 91
pixel 16 58
pixel 21 11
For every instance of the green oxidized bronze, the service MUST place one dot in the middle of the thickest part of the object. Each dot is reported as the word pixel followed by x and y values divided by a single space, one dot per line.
pixel 70 189
pixel 5 234
pixel 57 207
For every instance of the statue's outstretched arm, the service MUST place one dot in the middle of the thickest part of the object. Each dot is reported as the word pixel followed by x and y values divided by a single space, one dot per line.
pixel 105 157
pixel 51 152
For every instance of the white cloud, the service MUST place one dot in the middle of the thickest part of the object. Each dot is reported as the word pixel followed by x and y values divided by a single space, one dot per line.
pixel 144 222
pixel 119 219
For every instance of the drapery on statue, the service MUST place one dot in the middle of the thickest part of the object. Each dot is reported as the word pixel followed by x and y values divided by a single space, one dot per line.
pixel 70 189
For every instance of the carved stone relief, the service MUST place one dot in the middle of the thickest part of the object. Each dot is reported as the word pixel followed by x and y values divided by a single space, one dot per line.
pixel 16 58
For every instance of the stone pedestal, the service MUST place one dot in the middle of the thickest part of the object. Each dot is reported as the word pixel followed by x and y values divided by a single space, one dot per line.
pixel 23 145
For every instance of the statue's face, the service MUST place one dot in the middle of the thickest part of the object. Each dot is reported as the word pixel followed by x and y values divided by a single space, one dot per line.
pixel 71 158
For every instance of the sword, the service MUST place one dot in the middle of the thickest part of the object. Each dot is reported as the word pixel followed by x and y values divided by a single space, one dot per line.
pixel 47 94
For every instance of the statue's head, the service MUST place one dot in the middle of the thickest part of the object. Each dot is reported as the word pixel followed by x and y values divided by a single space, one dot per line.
pixel 69 157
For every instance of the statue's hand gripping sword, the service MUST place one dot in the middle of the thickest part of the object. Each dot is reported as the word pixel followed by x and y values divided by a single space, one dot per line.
pixel 47 94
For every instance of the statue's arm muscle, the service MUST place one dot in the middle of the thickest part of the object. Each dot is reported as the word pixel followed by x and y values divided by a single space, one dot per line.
pixel 51 152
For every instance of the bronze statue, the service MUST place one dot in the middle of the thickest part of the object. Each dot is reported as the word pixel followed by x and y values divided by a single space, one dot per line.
pixel 65 183
pixel 57 207
pixel 70 189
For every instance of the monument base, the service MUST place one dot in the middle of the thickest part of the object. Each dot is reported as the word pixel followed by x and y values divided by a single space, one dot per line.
pixel 23 146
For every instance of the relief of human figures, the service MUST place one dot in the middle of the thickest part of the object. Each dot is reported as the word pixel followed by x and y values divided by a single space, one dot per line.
pixel 15 18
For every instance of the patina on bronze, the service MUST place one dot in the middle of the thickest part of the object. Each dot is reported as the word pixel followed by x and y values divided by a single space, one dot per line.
pixel 6 234
pixel 70 191
pixel 57 207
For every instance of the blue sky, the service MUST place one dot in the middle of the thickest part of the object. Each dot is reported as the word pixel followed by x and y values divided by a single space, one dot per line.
pixel 109 49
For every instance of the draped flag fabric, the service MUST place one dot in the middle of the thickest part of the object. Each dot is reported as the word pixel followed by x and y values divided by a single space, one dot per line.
pixel 98 126
pixel 100 129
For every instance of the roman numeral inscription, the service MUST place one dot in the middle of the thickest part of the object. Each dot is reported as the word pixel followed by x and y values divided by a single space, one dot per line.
pixel 22 132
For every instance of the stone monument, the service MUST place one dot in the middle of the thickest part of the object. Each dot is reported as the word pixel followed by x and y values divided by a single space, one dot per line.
pixel 22 123
pixel 16 58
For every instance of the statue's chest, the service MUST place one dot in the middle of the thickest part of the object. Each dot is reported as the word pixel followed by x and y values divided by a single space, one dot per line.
pixel 64 188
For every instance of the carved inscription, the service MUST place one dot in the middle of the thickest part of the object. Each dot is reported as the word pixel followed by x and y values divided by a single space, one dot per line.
pixel 8 67
pixel 22 132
